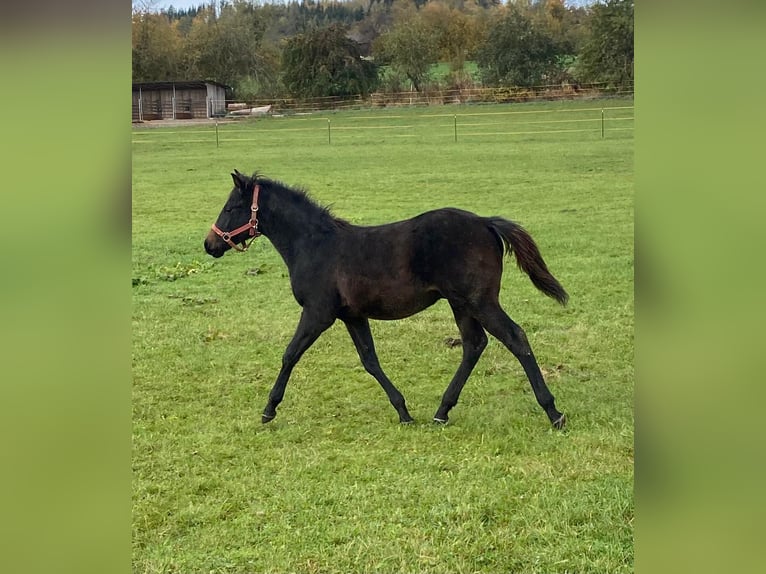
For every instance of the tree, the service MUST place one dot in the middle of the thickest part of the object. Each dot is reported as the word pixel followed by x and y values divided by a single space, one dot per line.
pixel 409 47
pixel 227 47
pixel 326 62
pixel 565 26
pixel 157 48
pixel 377 19
pixel 607 55
pixel 455 33
pixel 517 52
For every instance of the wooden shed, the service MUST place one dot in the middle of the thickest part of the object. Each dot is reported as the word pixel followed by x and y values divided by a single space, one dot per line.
pixel 178 100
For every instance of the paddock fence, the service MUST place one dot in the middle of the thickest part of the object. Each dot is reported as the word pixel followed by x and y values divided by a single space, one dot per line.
pixel 433 97
pixel 148 107
pixel 575 121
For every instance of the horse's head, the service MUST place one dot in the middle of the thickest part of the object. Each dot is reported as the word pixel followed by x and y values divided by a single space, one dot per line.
pixel 238 219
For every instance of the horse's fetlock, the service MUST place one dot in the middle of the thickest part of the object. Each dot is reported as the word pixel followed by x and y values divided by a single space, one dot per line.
pixel 398 404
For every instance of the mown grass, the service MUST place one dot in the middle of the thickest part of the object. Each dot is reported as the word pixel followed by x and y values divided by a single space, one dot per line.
pixel 334 484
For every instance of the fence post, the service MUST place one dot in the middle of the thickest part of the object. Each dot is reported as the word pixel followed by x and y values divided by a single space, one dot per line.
pixel 329 139
pixel 216 133
pixel 455 128
pixel 602 123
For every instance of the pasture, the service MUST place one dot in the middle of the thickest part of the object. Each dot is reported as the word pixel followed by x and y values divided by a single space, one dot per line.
pixel 334 483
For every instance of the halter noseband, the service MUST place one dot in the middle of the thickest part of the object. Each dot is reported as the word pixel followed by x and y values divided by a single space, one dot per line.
pixel 252 225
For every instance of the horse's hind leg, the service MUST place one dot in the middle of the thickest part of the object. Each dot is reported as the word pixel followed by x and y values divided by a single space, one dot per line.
pixel 500 325
pixel 474 341
pixel 359 329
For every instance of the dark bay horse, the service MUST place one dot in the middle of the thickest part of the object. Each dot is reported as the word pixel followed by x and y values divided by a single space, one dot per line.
pixel 352 273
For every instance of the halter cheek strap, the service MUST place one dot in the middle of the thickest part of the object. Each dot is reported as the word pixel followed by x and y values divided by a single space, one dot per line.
pixel 252 225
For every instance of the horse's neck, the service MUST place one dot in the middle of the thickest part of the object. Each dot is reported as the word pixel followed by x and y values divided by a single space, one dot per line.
pixel 294 228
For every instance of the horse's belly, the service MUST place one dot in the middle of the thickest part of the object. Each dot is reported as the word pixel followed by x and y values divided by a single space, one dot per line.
pixel 385 299
pixel 399 309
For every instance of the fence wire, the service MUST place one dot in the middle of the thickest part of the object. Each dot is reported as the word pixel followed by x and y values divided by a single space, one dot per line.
pixel 439 125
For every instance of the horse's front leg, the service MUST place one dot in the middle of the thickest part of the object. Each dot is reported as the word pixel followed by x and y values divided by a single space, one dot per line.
pixel 309 328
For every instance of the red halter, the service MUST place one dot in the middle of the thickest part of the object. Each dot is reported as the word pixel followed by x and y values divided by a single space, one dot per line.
pixel 252 225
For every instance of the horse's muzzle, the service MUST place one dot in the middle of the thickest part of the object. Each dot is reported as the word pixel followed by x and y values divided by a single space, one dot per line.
pixel 214 246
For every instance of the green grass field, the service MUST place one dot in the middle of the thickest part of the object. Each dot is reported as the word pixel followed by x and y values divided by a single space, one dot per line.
pixel 335 484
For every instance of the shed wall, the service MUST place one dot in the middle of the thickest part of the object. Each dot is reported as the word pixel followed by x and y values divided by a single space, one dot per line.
pixel 157 104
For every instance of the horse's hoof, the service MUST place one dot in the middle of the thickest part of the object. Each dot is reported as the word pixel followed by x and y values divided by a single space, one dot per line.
pixel 267 418
pixel 439 421
pixel 560 422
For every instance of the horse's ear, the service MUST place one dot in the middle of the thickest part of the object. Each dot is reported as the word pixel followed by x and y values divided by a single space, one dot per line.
pixel 240 180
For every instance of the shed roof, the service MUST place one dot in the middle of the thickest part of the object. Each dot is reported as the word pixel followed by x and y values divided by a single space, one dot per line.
pixel 180 85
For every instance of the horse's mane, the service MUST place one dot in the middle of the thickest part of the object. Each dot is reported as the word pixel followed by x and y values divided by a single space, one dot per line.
pixel 300 201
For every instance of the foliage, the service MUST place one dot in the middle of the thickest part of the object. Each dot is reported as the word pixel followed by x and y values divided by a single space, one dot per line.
pixel 377 19
pixel 607 55
pixel 157 48
pixel 226 47
pixel 326 62
pixel 240 43
pixel 409 47
pixel 518 52
pixel 334 484
pixel 565 25
pixel 261 86
pixel 455 33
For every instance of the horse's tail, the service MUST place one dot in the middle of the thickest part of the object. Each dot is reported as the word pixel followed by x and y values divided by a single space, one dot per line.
pixel 528 258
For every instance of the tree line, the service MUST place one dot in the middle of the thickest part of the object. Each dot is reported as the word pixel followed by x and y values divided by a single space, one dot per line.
pixel 332 48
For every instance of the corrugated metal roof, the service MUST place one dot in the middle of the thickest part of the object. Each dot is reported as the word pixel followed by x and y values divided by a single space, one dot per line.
pixel 180 85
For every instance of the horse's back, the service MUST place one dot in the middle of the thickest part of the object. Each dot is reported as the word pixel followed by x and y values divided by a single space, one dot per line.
pixel 397 269
pixel 451 244
pixel 434 240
